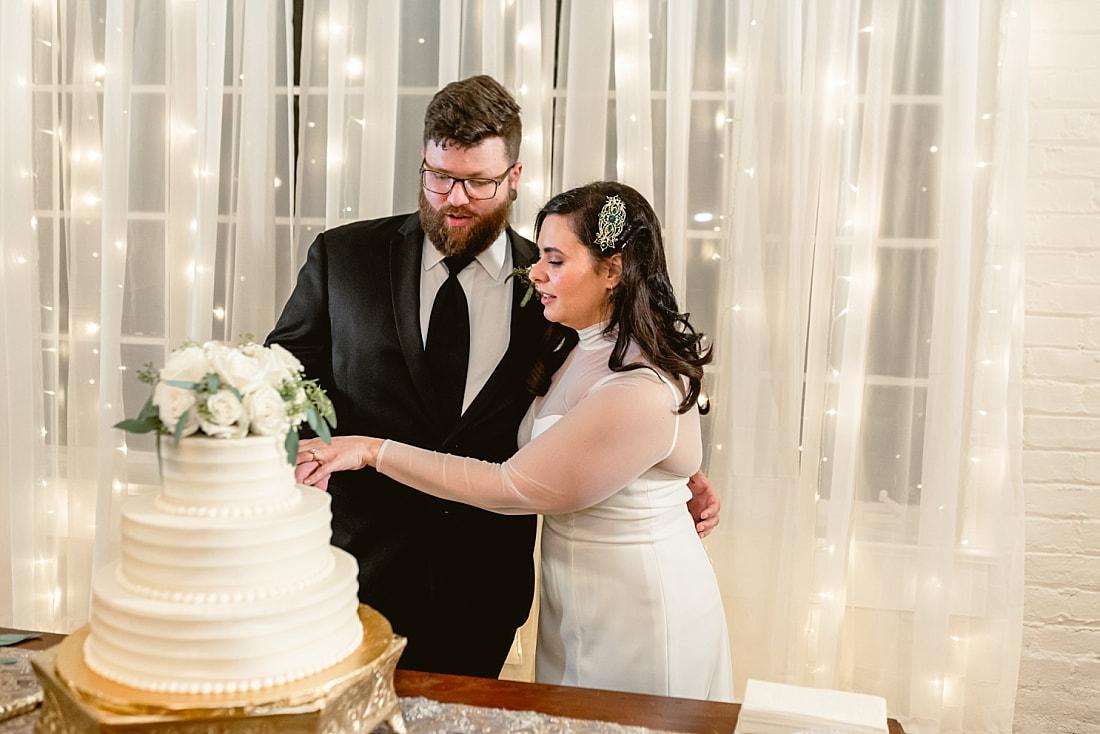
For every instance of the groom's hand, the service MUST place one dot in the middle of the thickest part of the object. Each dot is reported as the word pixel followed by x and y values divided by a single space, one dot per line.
pixel 304 469
pixel 704 504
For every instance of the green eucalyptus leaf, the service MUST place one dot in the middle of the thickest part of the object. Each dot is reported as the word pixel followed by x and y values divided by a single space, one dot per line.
pixel 180 425
pixel 149 412
pixel 324 432
pixel 292 447
pixel 318 424
pixel 131 425
pixel 183 384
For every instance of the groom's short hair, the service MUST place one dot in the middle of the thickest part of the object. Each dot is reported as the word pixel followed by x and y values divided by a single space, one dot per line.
pixel 468 111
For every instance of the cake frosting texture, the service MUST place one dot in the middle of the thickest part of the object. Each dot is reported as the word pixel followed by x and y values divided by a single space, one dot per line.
pixel 227 581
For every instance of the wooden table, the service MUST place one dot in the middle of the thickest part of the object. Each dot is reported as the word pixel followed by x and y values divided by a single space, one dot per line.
pixel 655 712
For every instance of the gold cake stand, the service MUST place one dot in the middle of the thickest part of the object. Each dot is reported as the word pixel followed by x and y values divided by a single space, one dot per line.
pixel 355 695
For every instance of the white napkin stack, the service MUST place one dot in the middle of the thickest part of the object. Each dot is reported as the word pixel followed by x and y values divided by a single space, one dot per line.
pixel 778 708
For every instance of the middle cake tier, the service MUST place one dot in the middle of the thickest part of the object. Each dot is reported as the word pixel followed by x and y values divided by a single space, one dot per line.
pixel 225 559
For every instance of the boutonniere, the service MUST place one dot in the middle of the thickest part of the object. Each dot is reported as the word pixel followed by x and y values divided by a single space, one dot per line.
pixel 524 275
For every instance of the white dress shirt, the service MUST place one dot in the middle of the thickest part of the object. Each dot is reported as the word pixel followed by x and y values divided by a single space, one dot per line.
pixel 489 296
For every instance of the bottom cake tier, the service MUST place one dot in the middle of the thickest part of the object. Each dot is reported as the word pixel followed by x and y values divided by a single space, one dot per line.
pixel 174 647
pixel 355 694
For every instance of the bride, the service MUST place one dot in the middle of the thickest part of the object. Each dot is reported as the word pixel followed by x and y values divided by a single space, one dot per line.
pixel 628 600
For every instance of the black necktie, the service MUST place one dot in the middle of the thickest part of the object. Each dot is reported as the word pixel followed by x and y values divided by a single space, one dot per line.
pixel 448 343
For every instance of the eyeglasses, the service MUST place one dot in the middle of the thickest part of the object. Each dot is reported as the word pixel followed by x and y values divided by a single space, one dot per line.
pixel 475 188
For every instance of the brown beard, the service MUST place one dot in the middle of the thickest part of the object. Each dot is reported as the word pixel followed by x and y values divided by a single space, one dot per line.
pixel 472 239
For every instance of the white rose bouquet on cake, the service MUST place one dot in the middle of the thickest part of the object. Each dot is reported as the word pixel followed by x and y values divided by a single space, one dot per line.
pixel 226 391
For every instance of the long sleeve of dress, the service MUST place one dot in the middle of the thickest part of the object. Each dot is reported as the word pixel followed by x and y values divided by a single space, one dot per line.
pixel 613 434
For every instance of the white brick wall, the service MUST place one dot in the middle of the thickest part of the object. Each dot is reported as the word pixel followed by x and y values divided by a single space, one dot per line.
pixel 1059 688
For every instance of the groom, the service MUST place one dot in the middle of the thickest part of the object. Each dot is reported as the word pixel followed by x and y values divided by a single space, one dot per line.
pixel 455 580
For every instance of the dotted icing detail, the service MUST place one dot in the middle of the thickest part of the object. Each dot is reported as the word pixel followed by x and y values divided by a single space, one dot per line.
pixel 236 596
pixel 247 511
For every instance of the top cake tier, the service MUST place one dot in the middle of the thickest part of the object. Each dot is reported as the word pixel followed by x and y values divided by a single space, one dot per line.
pixel 225 477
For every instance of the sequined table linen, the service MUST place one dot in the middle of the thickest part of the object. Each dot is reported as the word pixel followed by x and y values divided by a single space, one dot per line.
pixel 424 716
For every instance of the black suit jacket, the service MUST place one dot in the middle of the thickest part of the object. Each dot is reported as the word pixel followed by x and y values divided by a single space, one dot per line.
pixel 430 566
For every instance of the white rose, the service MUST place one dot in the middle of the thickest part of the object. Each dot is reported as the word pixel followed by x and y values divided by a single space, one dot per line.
pixel 266 411
pixel 274 372
pixel 224 416
pixel 285 360
pixel 188 364
pixel 172 403
pixel 216 353
pixel 236 368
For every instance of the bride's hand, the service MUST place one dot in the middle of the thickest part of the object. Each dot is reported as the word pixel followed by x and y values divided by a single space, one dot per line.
pixel 345 453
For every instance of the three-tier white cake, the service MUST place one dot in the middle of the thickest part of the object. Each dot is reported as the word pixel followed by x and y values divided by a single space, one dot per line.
pixel 227 580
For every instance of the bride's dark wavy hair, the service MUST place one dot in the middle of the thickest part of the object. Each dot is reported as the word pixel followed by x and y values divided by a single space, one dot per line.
pixel 644 307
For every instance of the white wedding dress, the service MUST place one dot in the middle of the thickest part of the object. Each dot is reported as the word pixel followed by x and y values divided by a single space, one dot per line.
pixel 629 601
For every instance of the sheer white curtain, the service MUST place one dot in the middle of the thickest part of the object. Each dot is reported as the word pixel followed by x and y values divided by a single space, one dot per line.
pixel 145 150
pixel 866 430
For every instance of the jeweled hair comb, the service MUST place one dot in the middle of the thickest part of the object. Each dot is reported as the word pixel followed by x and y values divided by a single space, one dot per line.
pixel 611 222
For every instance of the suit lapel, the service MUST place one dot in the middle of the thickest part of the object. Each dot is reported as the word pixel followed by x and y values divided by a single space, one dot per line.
pixel 405 266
